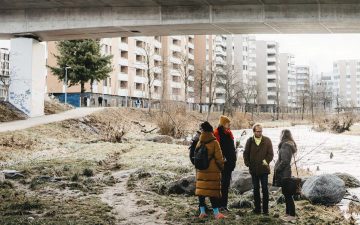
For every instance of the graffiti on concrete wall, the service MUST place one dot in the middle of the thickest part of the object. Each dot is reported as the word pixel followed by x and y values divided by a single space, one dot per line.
pixel 21 100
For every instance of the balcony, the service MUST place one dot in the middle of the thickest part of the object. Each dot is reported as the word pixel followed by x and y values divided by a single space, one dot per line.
pixel 157 83
pixel 175 48
pixel 271 51
pixel 139 79
pixel 175 60
pixel 157 57
pixel 175 72
pixel 123 62
pixel 191 67
pixel 123 92
pixel 176 85
pixel 271 59
pixel 191 78
pixel 140 65
pixel 191 45
pixel 273 85
pixel 124 46
pixel 271 76
pixel 271 68
pixel 139 94
pixel 140 51
pixel 123 77
pixel 191 89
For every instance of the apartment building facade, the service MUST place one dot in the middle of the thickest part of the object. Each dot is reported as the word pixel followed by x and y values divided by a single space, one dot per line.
pixel 287 81
pixel 268 75
pixel 302 84
pixel 346 78
pixel 4 72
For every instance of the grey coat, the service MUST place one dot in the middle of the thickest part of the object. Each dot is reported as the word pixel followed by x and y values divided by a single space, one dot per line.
pixel 283 165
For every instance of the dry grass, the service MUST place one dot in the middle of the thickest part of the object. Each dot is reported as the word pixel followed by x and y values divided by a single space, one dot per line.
pixel 53 106
pixel 9 113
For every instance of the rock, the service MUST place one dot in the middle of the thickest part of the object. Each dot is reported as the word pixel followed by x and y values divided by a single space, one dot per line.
pixel 12 174
pixel 242 204
pixel 161 139
pixel 350 181
pixel 326 189
pixel 241 181
pixel 185 185
pixel 182 142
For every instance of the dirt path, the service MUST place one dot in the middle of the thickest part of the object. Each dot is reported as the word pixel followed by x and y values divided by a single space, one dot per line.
pixel 36 121
pixel 128 208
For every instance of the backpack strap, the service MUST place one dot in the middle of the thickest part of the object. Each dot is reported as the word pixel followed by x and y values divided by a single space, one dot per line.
pixel 207 142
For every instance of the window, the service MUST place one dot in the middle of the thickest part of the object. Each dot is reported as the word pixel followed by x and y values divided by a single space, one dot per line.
pixel 175 66
pixel 124 54
pixel 157 76
pixel 140 72
pixel 140 58
pixel 157 51
pixel 176 79
pixel 124 39
pixel 124 69
pixel 140 44
pixel 123 84
pixel 157 89
pixel 176 42
pixel 176 91
pixel 138 86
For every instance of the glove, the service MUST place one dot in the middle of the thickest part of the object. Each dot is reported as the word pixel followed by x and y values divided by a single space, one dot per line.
pixel 265 163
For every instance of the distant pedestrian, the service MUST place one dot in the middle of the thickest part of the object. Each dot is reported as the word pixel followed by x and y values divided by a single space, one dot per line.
pixel 100 100
pixel 225 137
pixel 208 181
pixel 287 148
pixel 257 156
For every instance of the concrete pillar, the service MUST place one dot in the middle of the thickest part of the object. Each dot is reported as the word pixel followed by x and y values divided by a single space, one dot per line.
pixel 28 74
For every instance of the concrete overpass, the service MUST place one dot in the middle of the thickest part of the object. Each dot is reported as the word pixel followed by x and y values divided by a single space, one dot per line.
pixel 27 22
pixel 65 19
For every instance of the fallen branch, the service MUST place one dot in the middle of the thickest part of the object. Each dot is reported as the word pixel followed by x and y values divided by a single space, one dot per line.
pixel 148 131
pixel 351 199
pixel 138 123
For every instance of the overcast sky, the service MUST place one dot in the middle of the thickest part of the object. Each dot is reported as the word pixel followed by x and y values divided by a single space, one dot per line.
pixel 316 50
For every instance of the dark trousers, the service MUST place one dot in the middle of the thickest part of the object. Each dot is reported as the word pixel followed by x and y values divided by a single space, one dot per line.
pixel 225 185
pixel 214 202
pixel 290 205
pixel 256 180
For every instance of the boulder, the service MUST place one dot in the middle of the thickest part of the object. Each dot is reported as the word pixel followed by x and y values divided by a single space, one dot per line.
pixel 12 174
pixel 161 139
pixel 326 189
pixel 241 181
pixel 242 204
pixel 350 181
pixel 185 185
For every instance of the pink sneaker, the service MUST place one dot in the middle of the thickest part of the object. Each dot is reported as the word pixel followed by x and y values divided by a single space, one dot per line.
pixel 220 216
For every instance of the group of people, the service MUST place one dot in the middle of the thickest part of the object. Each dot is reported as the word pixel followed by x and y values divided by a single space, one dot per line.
pixel 214 181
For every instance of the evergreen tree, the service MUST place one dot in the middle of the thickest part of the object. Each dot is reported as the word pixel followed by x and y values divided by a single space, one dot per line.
pixel 86 62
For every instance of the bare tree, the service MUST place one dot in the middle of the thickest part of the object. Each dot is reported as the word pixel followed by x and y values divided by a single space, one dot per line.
pixel 248 93
pixel 229 80
pixel 211 85
pixel 151 66
pixel 200 84
pixel 302 100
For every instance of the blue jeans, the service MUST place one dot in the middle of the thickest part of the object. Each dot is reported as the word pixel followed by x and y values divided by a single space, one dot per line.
pixel 256 180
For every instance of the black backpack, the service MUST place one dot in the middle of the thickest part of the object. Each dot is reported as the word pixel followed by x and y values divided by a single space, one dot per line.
pixel 201 158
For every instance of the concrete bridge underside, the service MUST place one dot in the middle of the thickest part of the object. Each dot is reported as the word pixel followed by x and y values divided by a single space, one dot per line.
pixel 73 19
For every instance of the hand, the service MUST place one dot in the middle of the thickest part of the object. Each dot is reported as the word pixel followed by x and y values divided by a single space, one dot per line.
pixel 265 163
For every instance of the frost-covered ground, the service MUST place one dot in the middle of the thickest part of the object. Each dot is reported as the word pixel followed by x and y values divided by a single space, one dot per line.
pixel 315 148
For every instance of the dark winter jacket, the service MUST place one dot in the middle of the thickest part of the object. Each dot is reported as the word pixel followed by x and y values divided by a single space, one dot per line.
pixel 192 147
pixel 283 165
pixel 226 140
pixel 254 156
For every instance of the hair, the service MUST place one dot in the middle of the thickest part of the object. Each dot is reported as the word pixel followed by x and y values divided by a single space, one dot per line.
pixel 287 136
pixel 256 125
pixel 206 127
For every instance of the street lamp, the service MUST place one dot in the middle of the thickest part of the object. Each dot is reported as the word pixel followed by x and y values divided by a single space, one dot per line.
pixel 66 82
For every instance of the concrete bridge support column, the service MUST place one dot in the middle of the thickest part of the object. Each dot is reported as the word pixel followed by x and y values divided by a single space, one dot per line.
pixel 28 74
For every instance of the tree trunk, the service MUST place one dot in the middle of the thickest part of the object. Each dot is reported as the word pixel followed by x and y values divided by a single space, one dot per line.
pixel 82 86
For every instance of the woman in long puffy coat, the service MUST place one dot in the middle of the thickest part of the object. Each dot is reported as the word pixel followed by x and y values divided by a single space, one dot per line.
pixel 208 181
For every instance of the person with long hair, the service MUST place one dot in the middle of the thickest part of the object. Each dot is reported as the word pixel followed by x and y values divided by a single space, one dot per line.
pixel 287 148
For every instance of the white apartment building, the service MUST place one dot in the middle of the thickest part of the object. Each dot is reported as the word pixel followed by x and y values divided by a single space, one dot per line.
pixel 346 74
pixel 302 83
pixel 4 71
pixel 268 74
pixel 287 81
